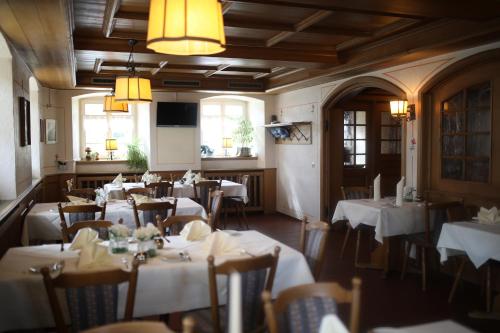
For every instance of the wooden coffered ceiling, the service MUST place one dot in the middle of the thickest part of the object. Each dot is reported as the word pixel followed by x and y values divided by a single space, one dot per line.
pixel 273 45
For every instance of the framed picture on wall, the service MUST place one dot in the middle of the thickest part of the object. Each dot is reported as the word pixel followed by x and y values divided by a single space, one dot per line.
pixel 50 131
pixel 24 122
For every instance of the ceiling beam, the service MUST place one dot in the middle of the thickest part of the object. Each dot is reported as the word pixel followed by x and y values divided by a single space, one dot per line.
pixel 226 6
pixel 416 9
pixel 165 75
pixel 219 69
pixel 188 67
pixel 108 22
pixel 161 65
pixel 298 27
pixel 98 65
pixel 101 44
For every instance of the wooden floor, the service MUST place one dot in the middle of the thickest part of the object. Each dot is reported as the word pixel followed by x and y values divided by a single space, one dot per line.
pixel 385 302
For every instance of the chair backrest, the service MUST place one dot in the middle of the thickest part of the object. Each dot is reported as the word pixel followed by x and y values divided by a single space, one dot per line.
pixel 214 208
pixel 257 275
pixel 202 191
pixel 310 303
pixel 356 192
pixel 313 239
pixel 174 224
pixel 163 189
pixel 148 191
pixel 153 211
pixel 86 193
pixel 92 298
pixel 100 226
pixel 80 213
pixel 461 213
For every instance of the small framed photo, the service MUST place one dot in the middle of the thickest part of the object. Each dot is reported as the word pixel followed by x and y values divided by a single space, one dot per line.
pixel 50 131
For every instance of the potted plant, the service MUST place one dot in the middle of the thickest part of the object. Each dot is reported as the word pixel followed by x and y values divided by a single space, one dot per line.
pixel 136 158
pixel 243 136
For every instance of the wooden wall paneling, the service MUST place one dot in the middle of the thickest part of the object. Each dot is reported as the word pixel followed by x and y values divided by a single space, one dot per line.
pixel 51 189
pixel 269 191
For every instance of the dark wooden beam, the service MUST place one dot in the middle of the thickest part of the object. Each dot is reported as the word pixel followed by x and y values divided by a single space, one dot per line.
pixel 98 45
pixel 416 9
pixel 98 65
pixel 188 67
pixel 108 22
pixel 219 69
pixel 160 66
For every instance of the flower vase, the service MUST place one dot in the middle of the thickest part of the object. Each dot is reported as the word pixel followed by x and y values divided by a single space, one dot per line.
pixel 148 247
pixel 118 244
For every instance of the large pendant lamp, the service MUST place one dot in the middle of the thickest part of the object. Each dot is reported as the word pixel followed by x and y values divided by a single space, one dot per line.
pixel 132 89
pixel 111 105
pixel 186 27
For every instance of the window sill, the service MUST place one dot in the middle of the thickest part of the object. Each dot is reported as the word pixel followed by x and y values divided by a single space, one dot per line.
pixel 229 158
pixel 101 162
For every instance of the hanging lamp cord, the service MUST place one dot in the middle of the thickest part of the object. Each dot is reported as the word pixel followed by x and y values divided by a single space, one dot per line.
pixel 131 62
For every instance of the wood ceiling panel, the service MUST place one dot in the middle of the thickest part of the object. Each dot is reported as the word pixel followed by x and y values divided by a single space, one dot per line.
pixel 309 38
pixel 275 13
pixel 88 13
pixel 257 34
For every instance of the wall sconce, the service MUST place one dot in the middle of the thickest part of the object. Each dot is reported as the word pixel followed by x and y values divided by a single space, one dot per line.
pixel 401 110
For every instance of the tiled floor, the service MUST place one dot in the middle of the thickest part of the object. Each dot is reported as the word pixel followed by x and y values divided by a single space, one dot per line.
pixel 385 302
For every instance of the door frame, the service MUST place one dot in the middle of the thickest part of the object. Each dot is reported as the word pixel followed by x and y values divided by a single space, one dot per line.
pixel 343 90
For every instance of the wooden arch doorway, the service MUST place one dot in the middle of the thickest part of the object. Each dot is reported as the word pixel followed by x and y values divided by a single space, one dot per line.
pixel 360 139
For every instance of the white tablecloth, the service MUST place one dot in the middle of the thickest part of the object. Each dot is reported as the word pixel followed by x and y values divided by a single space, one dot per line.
pixel 387 219
pixel 445 326
pixel 479 241
pixel 231 189
pixel 42 221
pixel 163 287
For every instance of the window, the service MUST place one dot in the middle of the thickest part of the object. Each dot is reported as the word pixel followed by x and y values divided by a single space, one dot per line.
pixel 97 126
pixel 219 119
pixel 466 134
pixel 355 138
pixel 390 134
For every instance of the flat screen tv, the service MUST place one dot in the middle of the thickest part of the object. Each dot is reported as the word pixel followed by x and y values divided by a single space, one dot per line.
pixel 176 114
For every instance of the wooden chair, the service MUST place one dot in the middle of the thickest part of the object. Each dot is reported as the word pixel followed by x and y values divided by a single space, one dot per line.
pixel 142 326
pixel 100 225
pixel 153 211
pixel 310 302
pixel 202 190
pixel 215 206
pixel 257 275
pixel 79 213
pixel 148 192
pixel 162 189
pixel 353 193
pixel 313 237
pixel 92 298
pixel 428 239
pixel 174 224
pixel 86 193
pixel 238 203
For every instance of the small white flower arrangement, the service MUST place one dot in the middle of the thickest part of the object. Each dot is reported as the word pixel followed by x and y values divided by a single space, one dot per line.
pixel 119 231
pixel 146 233
pixel 100 194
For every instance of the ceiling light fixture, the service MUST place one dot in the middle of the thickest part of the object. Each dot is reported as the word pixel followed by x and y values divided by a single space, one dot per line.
pixel 186 27
pixel 132 88
pixel 111 105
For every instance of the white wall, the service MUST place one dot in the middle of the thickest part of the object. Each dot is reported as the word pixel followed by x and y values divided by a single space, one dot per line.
pixel 298 166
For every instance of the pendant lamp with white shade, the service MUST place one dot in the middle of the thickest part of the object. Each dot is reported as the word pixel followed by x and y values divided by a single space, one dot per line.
pixel 186 27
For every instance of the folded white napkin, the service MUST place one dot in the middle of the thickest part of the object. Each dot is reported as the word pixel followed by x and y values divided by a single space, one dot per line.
pixel 92 255
pixel 488 216
pixel 195 230
pixel 69 184
pixel 118 180
pixel 332 324
pixel 145 176
pixel 79 201
pixel 188 174
pixel 376 188
pixel 399 192
pixel 139 199
pixel 221 243
pixel 197 178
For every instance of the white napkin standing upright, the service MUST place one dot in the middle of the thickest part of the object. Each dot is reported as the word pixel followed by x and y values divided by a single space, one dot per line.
pixel 399 192
pixel 221 243
pixel 332 324
pixel 195 230
pixel 488 216
pixel 145 176
pixel 376 188
pixel 92 255
pixel 118 180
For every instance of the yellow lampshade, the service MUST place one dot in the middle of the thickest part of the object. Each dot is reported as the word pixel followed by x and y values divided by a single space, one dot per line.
pixel 399 109
pixel 111 144
pixel 111 105
pixel 227 142
pixel 133 89
pixel 186 27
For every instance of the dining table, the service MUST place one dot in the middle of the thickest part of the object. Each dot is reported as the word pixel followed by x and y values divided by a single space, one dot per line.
pixel 387 219
pixel 42 223
pixel 180 190
pixel 442 326
pixel 166 283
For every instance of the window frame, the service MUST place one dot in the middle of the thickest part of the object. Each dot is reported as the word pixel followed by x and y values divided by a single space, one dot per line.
pixel 355 139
